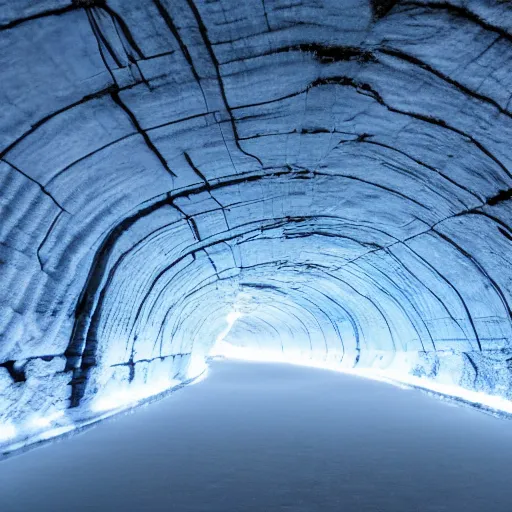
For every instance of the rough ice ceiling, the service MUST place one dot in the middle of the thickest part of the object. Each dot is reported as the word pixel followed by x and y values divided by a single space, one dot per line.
pixel 336 171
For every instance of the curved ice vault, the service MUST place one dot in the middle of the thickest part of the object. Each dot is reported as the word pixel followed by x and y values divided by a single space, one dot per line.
pixel 336 172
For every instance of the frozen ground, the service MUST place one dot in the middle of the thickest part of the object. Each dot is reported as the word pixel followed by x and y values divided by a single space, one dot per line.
pixel 269 437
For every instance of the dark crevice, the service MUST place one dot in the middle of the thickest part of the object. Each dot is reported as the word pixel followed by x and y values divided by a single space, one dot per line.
pixel 460 12
pixel 266 15
pixel 427 67
pixel 314 131
pixel 382 7
pixel 98 36
pixel 506 234
pixel 37 124
pixel 159 358
pixel 183 47
pixel 181 120
pixel 193 226
pixel 17 374
pixel 195 169
pixel 88 3
pixel 204 35
pixel 500 197
pixel 212 263
pixel 125 30
pixel 103 42
pixel 39 15
pixel 115 96
pixel 263 286
pixel 328 54
pixel 207 184
pixel 327 234
pixel 41 187
pixel 325 54
pixel 45 238
pixel 158 55
pixel 131 59
pixel 190 221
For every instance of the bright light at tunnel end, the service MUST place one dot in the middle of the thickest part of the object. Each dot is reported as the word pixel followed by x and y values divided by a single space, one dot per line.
pixel 221 348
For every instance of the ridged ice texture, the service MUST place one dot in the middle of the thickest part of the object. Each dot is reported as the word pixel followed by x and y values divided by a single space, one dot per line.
pixel 337 170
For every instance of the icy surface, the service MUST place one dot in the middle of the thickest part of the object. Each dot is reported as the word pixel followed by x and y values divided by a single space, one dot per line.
pixel 273 438
pixel 335 170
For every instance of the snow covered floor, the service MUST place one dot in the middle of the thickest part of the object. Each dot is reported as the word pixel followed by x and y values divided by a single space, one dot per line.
pixel 271 437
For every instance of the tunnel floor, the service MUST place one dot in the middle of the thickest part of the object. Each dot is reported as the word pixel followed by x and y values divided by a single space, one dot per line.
pixel 271 437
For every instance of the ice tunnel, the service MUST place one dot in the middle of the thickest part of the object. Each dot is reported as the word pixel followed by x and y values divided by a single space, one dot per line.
pixel 316 181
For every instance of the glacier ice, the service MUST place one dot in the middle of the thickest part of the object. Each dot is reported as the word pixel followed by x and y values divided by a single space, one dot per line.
pixel 326 183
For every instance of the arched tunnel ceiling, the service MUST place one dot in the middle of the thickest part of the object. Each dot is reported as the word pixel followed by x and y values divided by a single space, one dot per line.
pixel 336 171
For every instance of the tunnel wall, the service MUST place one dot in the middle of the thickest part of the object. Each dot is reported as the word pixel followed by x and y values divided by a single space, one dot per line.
pixel 337 172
